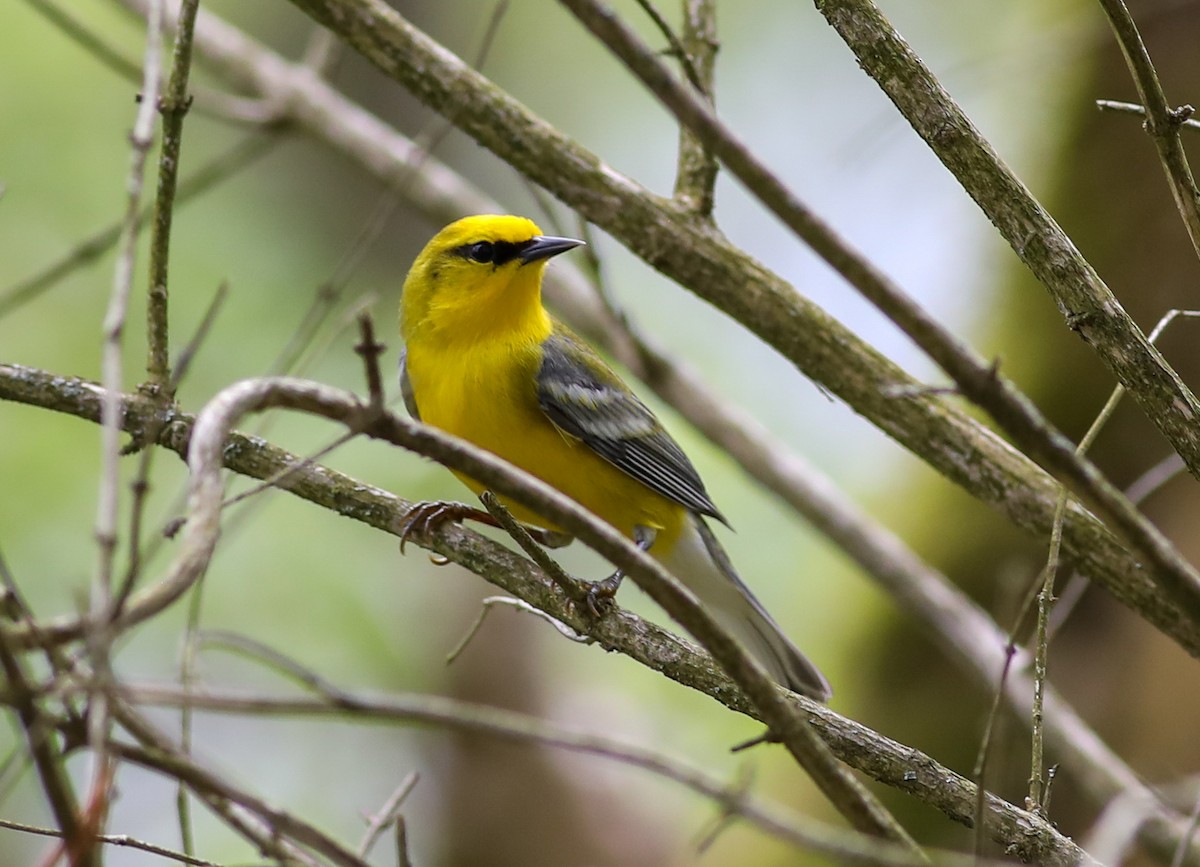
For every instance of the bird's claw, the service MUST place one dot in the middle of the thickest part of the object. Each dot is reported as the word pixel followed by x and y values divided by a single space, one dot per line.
pixel 600 594
pixel 424 517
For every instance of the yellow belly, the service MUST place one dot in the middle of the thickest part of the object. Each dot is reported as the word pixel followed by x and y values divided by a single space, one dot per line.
pixel 487 395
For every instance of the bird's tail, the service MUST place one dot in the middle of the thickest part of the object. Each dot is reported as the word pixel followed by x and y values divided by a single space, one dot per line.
pixel 699 561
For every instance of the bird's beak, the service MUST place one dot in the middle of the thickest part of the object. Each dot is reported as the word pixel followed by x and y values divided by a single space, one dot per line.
pixel 545 246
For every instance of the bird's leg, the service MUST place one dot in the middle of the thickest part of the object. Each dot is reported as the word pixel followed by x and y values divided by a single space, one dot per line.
pixel 427 515
pixel 601 593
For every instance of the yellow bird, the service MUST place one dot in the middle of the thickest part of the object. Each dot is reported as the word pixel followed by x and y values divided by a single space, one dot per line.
pixel 485 361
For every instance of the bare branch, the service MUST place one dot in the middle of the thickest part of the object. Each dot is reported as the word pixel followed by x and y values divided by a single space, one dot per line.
pixel 696 176
pixel 1088 306
pixel 41 741
pixel 621 631
pixel 388 814
pixel 121 840
pixel 1134 108
pixel 1162 121
pixel 496 722
pixel 173 106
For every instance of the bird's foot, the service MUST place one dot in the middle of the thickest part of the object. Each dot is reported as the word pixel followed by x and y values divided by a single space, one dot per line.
pixel 426 516
pixel 600 594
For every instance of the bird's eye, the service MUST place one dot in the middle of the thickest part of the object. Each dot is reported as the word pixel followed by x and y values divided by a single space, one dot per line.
pixel 484 251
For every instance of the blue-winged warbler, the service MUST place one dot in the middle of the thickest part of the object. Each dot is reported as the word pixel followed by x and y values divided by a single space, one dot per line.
pixel 484 360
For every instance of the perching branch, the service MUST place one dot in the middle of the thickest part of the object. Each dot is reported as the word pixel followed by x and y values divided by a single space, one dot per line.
pixel 891 763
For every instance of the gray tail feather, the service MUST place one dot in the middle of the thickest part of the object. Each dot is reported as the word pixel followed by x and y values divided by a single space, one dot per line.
pixel 751 624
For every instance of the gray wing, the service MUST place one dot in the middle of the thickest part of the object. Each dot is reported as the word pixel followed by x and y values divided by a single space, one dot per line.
pixel 589 402
pixel 406 390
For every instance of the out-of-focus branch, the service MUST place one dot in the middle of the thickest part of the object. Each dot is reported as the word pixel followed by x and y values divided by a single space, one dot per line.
pixel 99 633
pixel 1162 121
pixel 510 725
pixel 891 763
pixel 278 827
pixel 120 840
pixel 40 738
pixel 208 175
pixel 1089 307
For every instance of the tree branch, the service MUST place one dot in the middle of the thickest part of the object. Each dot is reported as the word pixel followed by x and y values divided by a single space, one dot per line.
pixel 891 763
pixel 521 728
pixel 1162 121
pixel 173 106
pixel 1089 307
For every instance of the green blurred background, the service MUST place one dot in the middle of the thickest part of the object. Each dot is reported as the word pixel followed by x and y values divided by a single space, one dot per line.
pixel 339 597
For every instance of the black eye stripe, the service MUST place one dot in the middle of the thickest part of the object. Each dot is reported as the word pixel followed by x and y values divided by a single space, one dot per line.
pixel 491 252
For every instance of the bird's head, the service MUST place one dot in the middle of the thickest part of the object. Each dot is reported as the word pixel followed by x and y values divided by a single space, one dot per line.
pixel 479 274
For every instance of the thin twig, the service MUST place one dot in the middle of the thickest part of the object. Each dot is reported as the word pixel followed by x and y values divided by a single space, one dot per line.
pixel 696 175
pixel 1140 111
pixel 173 106
pixel 1162 121
pixel 100 633
pixel 1035 801
pixel 388 814
pixel 985 746
pixel 677 50
pixel 263 654
pixel 120 840
pixel 490 602
pixel 211 173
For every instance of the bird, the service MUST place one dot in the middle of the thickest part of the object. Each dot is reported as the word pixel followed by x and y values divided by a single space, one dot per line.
pixel 484 360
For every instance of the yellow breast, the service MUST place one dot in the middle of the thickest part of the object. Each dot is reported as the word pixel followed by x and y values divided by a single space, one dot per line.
pixel 487 394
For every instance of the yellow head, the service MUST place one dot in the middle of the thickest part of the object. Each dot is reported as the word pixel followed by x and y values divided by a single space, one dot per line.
pixel 479 276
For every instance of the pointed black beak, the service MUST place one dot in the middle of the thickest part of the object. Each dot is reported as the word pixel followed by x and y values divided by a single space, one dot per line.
pixel 545 246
